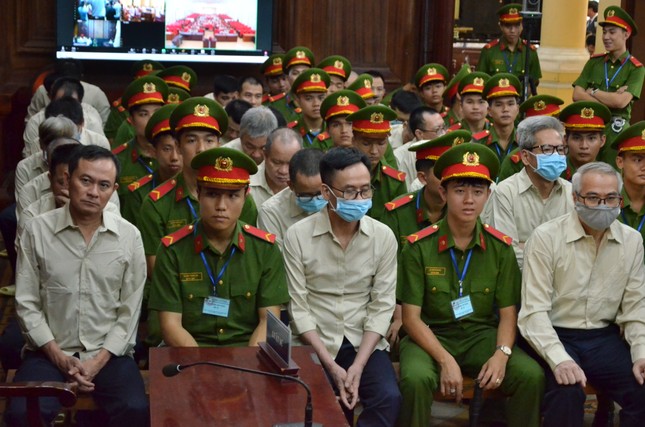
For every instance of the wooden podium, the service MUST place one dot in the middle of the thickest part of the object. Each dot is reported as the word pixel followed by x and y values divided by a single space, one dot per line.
pixel 214 396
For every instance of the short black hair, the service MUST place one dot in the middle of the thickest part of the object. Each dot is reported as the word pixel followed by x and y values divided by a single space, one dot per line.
pixel 467 181
pixel 339 158
pixel 305 162
pixel 250 80
pixel 282 122
pixel 416 117
pixel 69 86
pixel 424 165
pixel 61 156
pixel 375 73
pixel 68 107
pixel 91 153
pixel 593 5
pixel 69 67
pixel 405 101
pixel 236 109
pixel 224 84
pixel 591 39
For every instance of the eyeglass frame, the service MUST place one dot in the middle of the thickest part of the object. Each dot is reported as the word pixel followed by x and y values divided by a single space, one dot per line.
pixel 601 200
pixel 565 149
pixel 363 196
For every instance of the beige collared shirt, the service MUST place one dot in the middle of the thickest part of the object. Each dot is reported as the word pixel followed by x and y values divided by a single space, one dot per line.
pixel 406 161
pixel 260 189
pixel 83 296
pixel 340 293
pixel 279 213
pixel 29 168
pixel 567 283
pixel 235 144
pixel 516 208
pixel 93 96
pixel 87 137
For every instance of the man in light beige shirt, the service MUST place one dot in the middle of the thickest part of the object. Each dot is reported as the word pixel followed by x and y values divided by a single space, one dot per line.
pixel 79 286
pixel 255 126
pixel 341 272
pixel 583 283
pixel 299 200
pixel 536 194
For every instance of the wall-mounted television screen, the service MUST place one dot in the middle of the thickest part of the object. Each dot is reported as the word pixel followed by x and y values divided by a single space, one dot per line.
pixel 165 30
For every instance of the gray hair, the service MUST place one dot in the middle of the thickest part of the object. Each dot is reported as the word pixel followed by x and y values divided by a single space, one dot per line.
pixel 56 127
pixel 258 122
pixel 600 168
pixel 528 127
pixel 283 135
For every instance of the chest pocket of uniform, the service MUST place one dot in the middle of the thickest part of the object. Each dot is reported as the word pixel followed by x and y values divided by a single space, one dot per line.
pixel 437 298
pixel 243 297
pixel 482 295
pixel 193 296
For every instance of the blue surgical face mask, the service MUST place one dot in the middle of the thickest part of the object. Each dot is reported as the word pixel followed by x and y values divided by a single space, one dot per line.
pixel 311 204
pixel 352 210
pixel 550 166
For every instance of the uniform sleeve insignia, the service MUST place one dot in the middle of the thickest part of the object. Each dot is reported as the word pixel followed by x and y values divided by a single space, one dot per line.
pixel 481 135
pixel 260 234
pixel 421 234
pixel 292 124
pixel 393 173
pixel 177 235
pixel 120 148
pixel 397 203
pixel 498 235
pixel 635 61
pixel 162 190
pixel 322 136
pixel 138 183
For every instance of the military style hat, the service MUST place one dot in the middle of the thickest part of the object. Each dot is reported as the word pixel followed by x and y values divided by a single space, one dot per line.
pixel 223 168
pixel 159 122
pixel 298 55
pixel 336 65
pixel 467 161
pixel 541 105
pixel 313 80
pixel 363 86
pixel 431 73
pixel 145 90
pixel 342 102
pixel 502 84
pixel 176 95
pixel 373 120
pixel 473 83
pixel 614 15
pixel 199 113
pixel 453 86
pixel 585 116
pixel 180 76
pixel 432 149
pixel 510 13
pixel 272 66
pixel 145 67
pixel 630 139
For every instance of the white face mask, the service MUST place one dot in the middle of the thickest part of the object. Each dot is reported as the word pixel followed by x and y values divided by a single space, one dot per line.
pixel 598 218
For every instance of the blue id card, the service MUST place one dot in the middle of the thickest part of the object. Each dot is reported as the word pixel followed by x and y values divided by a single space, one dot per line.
pixel 216 306
pixel 462 307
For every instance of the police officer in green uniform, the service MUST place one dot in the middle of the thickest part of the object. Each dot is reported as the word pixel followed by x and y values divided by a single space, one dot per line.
pixel 294 62
pixel 143 97
pixel 197 124
pixel 473 105
pixel 179 76
pixel 430 81
pixel 334 110
pixel 309 89
pixel 371 128
pixel 614 78
pixel 538 105
pixel 176 95
pixel 502 91
pixel 451 96
pixel 339 68
pixel 215 280
pixel 507 54
pixel 362 85
pixel 630 145
pixel 459 285
pixel 274 78
pixel 419 209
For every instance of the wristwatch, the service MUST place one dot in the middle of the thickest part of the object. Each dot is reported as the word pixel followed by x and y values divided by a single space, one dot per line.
pixel 505 349
pixel 593 92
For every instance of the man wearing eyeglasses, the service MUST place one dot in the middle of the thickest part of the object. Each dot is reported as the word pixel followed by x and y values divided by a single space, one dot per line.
pixel 536 194
pixel 583 283
pixel 341 273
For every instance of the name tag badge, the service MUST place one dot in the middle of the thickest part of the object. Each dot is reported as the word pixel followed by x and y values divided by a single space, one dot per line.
pixel 216 306
pixel 462 307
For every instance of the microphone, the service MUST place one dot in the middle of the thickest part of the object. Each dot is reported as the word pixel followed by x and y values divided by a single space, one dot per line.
pixel 173 369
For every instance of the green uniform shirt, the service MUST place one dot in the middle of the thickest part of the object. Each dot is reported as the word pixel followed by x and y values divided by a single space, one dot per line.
pixel 327 143
pixel 496 57
pixel 308 138
pixel 173 210
pixel 451 118
pixel 286 106
pixel 254 278
pixel 512 164
pixel 132 199
pixel 627 216
pixel 123 134
pixel 427 278
pixel 118 114
pixel 491 139
pixel 133 166
pixel 386 188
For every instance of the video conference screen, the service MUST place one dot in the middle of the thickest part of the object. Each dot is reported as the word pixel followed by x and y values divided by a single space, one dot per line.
pixel 166 30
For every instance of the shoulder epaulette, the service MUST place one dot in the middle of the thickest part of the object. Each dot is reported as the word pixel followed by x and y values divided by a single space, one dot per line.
pixel 456 126
pixel 322 136
pixel 498 235
pixel 599 55
pixel 481 135
pixel 422 234
pixel 120 148
pixel 491 44
pixel 134 186
pixel 275 98
pixel 177 235
pixel 635 61
pixel 515 158
pixel 260 234
pixel 393 173
pixel 265 98
pixel 532 46
pixel 292 124
pixel 397 203
pixel 162 189
pixel 116 103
